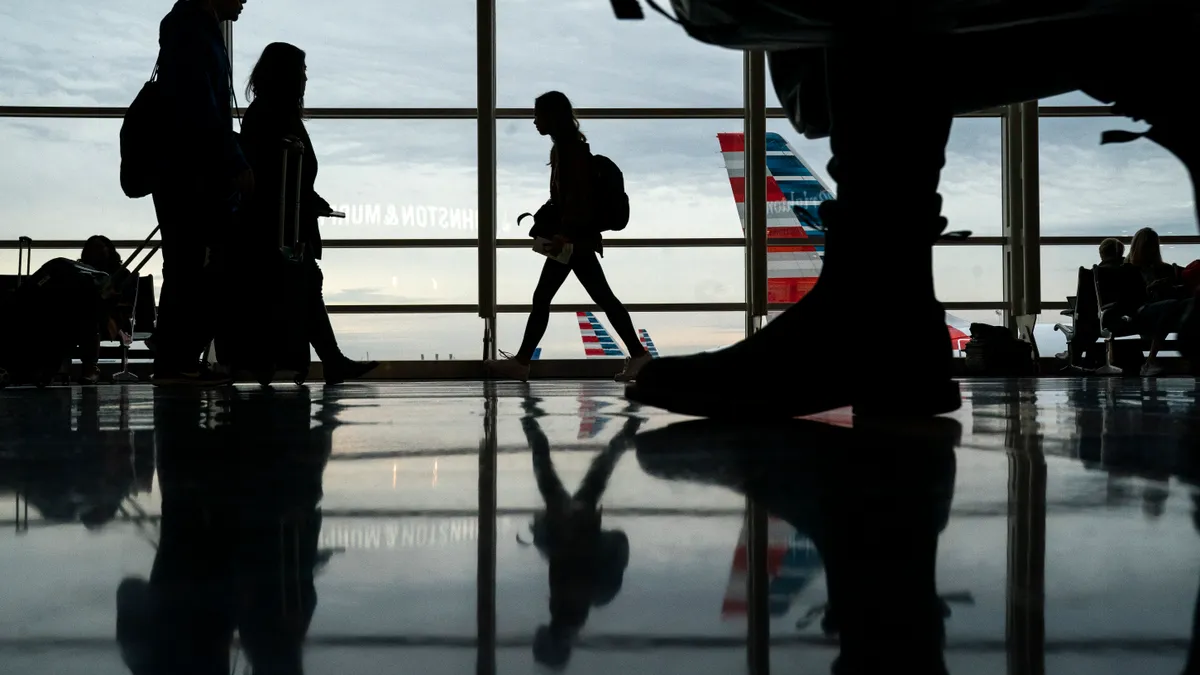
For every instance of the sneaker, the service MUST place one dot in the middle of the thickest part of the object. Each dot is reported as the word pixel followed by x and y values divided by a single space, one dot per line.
pixel 509 367
pixel 632 366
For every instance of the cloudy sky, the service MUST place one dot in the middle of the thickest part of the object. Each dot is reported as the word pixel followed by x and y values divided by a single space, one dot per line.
pixel 59 178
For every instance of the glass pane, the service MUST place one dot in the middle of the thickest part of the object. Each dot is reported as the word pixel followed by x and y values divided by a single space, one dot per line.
pixel 675 177
pixel 968 273
pixel 599 61
pixel 1116 189
pixel 672 333
pixel 80 53
pixel 971 182
pixel 409 337
pixel 398 179
pixel 392 178
pixel 368 53
pixel 636 275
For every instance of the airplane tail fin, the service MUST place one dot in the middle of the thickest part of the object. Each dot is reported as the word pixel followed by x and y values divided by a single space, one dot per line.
pixel 644 336
pixel 597 343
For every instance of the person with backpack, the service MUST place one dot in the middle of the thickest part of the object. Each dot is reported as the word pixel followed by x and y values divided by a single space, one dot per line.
pixel 203 175
pixel 587 199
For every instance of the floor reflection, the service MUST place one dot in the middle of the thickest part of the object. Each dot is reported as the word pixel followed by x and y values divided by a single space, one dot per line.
pixel 1049 526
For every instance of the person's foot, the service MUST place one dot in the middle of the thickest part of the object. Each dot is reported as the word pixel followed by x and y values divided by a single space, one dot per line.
pixel 344 369
pixel 196 375
pixel 509 366
pixel 633 366
pixel 792 367
pixel 1151 369
pixel 90 375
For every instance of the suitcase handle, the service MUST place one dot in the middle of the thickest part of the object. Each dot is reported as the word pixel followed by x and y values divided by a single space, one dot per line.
pixel 291 144
pixel 24 257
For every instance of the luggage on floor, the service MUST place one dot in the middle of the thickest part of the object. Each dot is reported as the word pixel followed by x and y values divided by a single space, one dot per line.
pixel 993 351
pixel 267 331
pixel 51 311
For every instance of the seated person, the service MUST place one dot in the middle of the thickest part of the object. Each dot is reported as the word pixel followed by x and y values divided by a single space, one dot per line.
pixel 99 254
pixel 1166 299
pixel 1112 253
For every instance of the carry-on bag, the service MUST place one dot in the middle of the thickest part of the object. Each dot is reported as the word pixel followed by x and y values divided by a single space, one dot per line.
pixel 268 330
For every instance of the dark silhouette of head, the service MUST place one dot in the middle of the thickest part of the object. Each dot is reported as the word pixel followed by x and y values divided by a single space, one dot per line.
pixel 226 10
pixel 590 576
pixel 99 253
pixel 554 116
pixel 1144 250
pixel 280 76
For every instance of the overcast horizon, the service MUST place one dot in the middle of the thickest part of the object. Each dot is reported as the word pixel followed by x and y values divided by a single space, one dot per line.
pixel 60 180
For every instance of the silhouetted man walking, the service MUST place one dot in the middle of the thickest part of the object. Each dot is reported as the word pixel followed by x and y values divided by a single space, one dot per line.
pixel 204 176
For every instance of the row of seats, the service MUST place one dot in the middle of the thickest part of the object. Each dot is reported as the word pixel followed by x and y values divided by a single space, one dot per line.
pixel 1097 315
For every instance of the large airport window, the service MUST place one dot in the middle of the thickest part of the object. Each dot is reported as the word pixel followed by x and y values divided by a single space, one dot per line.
pixel 971 182
pixel 398 179
pixel 60 181
pixel 368 53
pixel 77 52
pixel 1092 190
pixel 581 49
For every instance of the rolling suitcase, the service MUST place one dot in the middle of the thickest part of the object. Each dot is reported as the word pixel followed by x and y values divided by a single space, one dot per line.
pixel 269 331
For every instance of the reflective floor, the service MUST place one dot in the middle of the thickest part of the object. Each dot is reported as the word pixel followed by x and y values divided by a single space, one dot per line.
pixel 1048 526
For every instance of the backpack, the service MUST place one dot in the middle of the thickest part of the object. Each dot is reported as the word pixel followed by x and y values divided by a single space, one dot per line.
pixel 613 203
pixel 140 140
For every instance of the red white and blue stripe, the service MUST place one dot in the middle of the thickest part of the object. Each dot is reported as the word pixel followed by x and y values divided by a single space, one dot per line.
pixel 791 186
pixel 596 340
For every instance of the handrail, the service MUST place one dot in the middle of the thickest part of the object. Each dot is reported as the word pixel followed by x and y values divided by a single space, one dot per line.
pixel 470 113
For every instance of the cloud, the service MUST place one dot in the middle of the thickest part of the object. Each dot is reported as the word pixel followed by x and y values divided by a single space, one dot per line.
pixel 417 179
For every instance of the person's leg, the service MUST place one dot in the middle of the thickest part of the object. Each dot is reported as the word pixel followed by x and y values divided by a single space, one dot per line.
pixel 336 366
pixel 790 367
pixel 182 328
pixel 586 266
pixel 552 278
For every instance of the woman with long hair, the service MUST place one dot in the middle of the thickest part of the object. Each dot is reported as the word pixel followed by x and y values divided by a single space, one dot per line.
pixel 1166 301
pixel 276 87
pixel 571 178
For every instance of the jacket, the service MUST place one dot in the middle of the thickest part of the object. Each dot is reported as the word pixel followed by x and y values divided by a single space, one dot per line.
pixel 264 126
pixel 571 183
pixel 194 78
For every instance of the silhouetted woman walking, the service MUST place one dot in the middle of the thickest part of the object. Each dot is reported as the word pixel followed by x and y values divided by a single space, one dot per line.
pixel 277 85
pixel 571 189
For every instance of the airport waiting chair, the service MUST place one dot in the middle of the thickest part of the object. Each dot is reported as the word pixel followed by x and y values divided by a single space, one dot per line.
pixel 1120 293
pixel 138 301
pixel 1084 328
